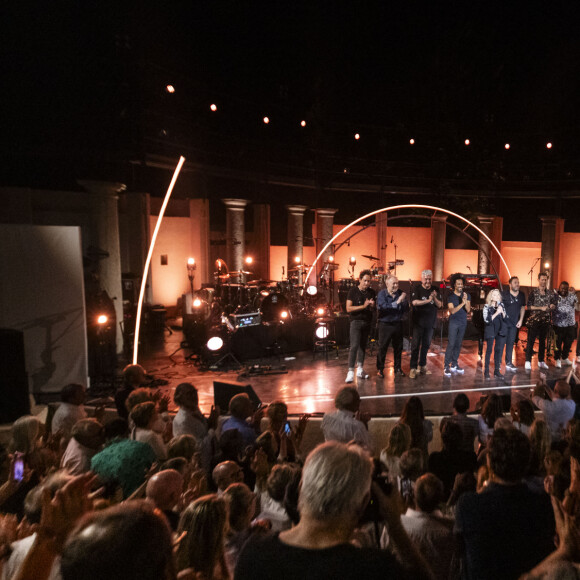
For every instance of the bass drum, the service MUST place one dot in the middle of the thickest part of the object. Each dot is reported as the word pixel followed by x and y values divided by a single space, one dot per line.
pixel 271 306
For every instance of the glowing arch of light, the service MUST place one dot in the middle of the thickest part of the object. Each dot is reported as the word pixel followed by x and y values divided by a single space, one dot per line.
pixel 407 206
pixel 150 255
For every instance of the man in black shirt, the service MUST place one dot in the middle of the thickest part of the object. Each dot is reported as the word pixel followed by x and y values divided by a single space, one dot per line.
pixel 360 304
pixel 426 301
pixel 514 301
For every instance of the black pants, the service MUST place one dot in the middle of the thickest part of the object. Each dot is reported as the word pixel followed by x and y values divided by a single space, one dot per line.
pixel 390 331
pixel 359 335
pixel 420 345
pixel 510 339
pixel 539 331
pixel 565 336
pixel 496 343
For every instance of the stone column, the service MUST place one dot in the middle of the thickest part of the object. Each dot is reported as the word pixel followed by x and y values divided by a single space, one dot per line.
pixel 235 233
pixel 261 265
pixel 382 243
pixel 438 230
pixel 295 235
pixel 199 228
pixel 552 229
pixel 324 233
pixel 485 222
pixel 105 236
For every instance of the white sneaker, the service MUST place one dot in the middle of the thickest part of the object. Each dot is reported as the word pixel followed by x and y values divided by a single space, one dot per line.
pixel 528 365
pixel 360 373
pixel 349 377
pixel 567 362
pixel 558 364
pixel 543 365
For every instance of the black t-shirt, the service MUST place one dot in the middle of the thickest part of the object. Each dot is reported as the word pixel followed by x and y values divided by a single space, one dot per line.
pixel 267 557
pixel 424 315
pixel 357 297
pixel 512 305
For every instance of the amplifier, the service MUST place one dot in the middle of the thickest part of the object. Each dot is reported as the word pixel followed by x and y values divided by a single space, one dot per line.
pixel 250 319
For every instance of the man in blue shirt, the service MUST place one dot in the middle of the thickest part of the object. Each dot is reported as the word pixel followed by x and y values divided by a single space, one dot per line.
pixel 391 305
pixel 459 305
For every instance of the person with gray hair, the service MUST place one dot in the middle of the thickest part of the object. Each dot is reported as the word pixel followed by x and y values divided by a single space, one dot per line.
pixel 426 301
pixel 347 423
pixel 87 439
pixel 335 490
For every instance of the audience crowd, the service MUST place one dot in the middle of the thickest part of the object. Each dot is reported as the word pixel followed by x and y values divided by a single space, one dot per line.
pixel 144 496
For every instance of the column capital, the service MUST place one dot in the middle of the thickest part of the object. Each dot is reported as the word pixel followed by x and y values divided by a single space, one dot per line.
pixel 485 219
pixel 325 211
pixel 109 188
pixel 296 209
pixel 439 218
pixel 235 204
pixel 549 219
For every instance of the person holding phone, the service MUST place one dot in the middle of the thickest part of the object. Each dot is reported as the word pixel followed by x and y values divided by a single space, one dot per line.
pixel 494 315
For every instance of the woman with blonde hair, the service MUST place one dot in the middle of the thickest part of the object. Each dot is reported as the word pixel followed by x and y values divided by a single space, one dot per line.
pixel 26 439
pixel 495 331
pixel 202 549
pixel 399 441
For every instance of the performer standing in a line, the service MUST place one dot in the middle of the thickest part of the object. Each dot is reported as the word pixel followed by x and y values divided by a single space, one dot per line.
pixel 494 316
pixel 541 302
pixel 514 301
pixel 564 321
pixel 360 304
pixel 391 305
pixel 459 305
pixel 426 301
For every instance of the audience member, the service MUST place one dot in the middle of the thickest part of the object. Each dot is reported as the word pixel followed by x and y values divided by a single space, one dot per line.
pixel 87 439
pixel 507 529
pixel 335 490
pixel 412 466
pixel 240 409
pixel 133 377
pixel 421 428
pixel 523 415
pixel 144 416
pixel 226 473
pixel 347 423
pixel 164 490
pixel 189 420
pixel 272 497
pixel 182 446
pixel 202 549
pixel 71 410
pixel 399 441
pixel 26 439
pixel 469 425
pixel 429 530
pixel 557 408
pixel 490 412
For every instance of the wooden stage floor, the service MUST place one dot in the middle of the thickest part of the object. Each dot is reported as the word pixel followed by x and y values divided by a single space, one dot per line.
pixel 309 385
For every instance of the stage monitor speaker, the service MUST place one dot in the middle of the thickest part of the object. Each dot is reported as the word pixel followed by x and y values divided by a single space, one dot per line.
pixel 223 392
pixel 14 401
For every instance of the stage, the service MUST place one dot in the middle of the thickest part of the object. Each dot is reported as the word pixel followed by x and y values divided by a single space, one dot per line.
pixel 307 382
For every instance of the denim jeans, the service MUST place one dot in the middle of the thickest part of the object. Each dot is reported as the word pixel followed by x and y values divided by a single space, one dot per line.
pixel 359 335
pixel 420 345
pixel 455 338
pixel 510 340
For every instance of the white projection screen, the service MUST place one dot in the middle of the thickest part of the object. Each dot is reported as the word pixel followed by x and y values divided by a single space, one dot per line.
pixel 42 295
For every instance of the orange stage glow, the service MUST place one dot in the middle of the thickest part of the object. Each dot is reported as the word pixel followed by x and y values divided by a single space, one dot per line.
pixel 102 319
pixel 357 136
pixel 467 141
pixel 170 89
pixel 548 145
pixel 507 145
pixel 213 107
pixel 303 123
pixel 412 141
pixel 266 120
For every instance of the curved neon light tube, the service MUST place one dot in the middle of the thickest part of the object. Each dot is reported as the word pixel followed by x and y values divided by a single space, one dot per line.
pixel 415 206
pixel 150 255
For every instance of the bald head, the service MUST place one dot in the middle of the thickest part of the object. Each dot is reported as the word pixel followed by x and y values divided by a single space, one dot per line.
pixel 164 488
pixel 226 473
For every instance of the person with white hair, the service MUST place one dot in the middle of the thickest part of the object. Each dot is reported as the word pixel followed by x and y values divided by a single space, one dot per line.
pixel 335 490
pixel 347 423
pixel 425 301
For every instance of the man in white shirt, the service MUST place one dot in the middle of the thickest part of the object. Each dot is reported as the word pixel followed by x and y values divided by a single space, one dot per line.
pixel 558 409
pixel 347 423
pixel 71 410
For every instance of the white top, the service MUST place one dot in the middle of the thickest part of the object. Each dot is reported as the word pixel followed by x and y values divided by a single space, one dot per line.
pixel 484 431
pixel 342 426
pixel 20 550
pixel 187 423
pixel 66 416
pixel 77 457
pixel 557 414
pixel 152 439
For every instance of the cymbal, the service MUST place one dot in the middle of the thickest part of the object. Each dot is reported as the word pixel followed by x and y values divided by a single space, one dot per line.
pixel 223 276
pixel 370 257
pixel 301 267
pixel 239 273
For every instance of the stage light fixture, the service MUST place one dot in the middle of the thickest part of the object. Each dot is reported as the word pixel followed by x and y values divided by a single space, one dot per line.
pixel 264 293
pixel 352 261
pixel 312 290
pixel 297 259
pixel 357 136
pixel 303 123
pixel 547 265
pixel 170 89
pixel 213 107
pixel 284 314
pixel 320 311
pixel 102 319
pixel 196 303
pixel 411 141
pixel 321 332
pixel 467 141
pixel 249 260
pixel 266 120
pixel 548 145
pixel 331 258
pixel 215 343
pixel 507 145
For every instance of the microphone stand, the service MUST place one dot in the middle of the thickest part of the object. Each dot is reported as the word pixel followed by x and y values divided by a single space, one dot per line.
pixel 531 272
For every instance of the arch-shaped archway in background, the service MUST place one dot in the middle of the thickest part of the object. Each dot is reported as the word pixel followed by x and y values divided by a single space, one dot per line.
pixel 406 206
